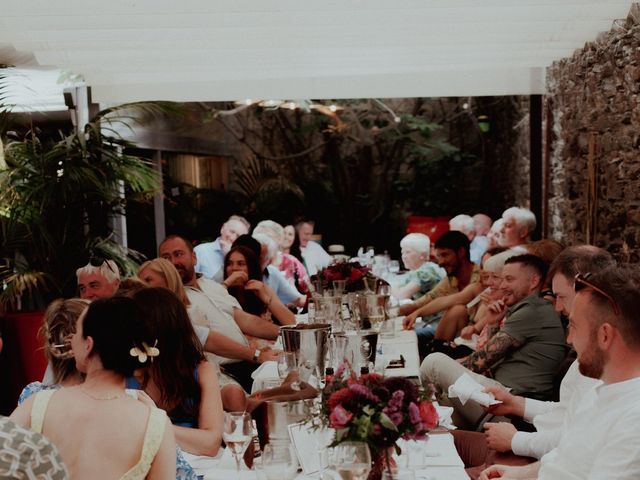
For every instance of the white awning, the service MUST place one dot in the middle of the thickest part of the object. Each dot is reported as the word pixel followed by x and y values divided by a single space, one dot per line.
pixel 208 50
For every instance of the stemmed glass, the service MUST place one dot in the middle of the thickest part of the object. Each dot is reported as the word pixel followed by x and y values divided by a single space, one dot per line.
pixel 237 434
pixel 286 365
pixel 277 462
pixel 352 460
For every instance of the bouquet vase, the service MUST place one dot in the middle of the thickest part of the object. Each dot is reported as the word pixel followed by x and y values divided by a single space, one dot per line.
pixel 382 461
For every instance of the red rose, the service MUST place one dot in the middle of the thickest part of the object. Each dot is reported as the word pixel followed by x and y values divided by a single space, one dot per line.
pixel 428 414
pixel 339 417
pixel 339 397
pixel 355 275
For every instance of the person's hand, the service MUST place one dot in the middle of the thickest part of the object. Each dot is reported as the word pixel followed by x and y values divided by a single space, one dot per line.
pixel 504 472
pixel 146 399
pixel 410 320
pixel 511 404
pixel 467 332
pixel 496 311
pixel 406 309
pixel 236 279
pixel 264 293
pixel 267 354
pixel 499 435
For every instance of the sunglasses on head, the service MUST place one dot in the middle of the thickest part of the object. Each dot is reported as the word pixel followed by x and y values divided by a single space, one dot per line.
pixel 581 281
pixel 96 260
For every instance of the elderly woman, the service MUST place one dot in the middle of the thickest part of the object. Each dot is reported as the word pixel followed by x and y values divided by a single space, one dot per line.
pixel 423 275
pixel 97 416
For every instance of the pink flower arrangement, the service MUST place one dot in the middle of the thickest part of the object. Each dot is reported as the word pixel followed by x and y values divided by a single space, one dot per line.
pixel 376 410
pixel 352 272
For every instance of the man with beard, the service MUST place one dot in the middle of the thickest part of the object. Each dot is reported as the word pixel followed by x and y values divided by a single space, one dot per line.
pixel 222 314
pixel 599 439
pixel 211 255
pixel 452 254
pixel 523 355
pixel 548 417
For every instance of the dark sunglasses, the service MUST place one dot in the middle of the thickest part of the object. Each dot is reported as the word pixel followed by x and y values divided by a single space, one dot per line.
pixel 96 260
pixel 581 282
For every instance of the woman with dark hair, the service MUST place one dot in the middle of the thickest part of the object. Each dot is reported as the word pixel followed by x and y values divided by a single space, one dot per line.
pixel 180 381
pixel 243 280
pixel 110 342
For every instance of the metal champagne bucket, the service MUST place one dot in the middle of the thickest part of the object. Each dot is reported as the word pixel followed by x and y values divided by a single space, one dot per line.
pixel 282 414
pixel 357 347
pixel 309 342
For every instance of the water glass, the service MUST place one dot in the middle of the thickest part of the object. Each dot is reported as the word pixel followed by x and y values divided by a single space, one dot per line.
pixel 351 460
pixel 237 434
pixel 376 315
pixel 286 364
pixel 278 462
pixel 394 267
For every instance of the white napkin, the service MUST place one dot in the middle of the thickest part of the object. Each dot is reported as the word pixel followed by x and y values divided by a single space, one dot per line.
pixel 471 343
pixel 466 388
pixel 267 369
pixel 444 416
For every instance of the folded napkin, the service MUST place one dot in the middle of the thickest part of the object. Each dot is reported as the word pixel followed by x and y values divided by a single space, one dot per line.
pixel 466 388
pixel 444 416
pixel 266 370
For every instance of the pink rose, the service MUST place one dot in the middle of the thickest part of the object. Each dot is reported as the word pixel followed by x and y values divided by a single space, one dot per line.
pixel 429 414
pixel 339 417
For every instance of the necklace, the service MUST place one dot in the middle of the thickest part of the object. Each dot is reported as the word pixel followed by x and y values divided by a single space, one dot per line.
pixel 95 397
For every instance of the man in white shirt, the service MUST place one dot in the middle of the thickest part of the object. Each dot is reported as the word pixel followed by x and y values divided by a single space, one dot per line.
pixel 315 257
pixel 220 312
pixel 211 255
pixel 548 417
pixel 599 438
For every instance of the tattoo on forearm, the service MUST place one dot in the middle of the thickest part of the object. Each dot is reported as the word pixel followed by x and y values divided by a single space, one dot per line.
pixel 498 346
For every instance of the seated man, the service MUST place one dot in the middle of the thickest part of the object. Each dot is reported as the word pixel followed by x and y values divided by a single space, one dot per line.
pixel 548 416
pixel 315 257
pixel 211 255
pixel 523 355
pixel 452 254
pixel 222 314
pixel 99 281
pixel 599 439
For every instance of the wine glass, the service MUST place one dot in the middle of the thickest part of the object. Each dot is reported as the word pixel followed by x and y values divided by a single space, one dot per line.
pixel 277 462
pixel 376 316
pixel 237 434
pixel 287 364
pixel 351 460
pixel 394 267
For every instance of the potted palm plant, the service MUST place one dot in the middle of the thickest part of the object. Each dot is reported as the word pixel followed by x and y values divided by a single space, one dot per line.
pixel 56 199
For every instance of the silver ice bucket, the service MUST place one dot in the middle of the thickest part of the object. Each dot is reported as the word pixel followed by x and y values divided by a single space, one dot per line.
pixel 309 342
pixel 282 414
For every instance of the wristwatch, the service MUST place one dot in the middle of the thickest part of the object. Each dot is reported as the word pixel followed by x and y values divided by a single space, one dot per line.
pixel 256 355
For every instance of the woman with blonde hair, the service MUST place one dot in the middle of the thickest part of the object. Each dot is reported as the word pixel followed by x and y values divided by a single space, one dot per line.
pixel 161 273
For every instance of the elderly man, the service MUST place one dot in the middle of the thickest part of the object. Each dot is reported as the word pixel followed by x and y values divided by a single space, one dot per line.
pixel 315 257
pixel 222 314
pixel 211 255
pixel 466 225
pixel 99 278
pixel 517 226
pixel 600 439
pixel 523 355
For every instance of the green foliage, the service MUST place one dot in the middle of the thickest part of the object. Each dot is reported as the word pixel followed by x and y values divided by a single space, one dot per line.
pixel 56 200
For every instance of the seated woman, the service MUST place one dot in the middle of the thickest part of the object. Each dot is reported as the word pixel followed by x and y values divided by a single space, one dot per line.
pixel 242 277
pixel 291 265
pixel 59 325
pixel 180 381
pixel 87 420
pixel 423 275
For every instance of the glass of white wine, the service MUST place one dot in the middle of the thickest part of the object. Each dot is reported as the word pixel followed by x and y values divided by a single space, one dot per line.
pixel 237 434
pixel 376 317
pixel 351 460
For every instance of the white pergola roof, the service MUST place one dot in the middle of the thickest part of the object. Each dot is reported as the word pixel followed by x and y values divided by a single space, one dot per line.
pixel 208 50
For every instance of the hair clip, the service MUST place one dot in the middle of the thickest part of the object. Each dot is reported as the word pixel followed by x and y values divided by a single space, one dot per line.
pixel 149 352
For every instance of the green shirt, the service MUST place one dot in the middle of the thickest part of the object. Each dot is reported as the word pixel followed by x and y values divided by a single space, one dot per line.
pixel 530 370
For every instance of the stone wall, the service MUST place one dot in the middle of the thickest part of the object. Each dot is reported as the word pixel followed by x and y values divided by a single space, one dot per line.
pixel 594 113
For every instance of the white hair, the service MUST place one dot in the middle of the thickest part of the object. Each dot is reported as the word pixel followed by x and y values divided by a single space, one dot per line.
pixel 462 223
pixel 271 228
pixel 523 217
pixel 109 270
pixel 238 218
pixel 267 241
pixel 418 242
pixel 481 223
pixel 495 262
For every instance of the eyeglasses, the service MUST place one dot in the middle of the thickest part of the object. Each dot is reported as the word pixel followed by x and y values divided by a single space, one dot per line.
pixel 96 260
pixel 581 281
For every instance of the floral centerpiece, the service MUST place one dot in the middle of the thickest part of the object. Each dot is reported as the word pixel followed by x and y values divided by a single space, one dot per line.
pixel 376 410
pixel 352 272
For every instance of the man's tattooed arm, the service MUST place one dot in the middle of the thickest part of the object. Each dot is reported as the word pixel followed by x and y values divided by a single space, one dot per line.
pixel 494 351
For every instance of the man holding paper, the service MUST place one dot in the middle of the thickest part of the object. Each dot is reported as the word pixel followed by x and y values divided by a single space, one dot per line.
pixel 523 355
pixel 600 440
